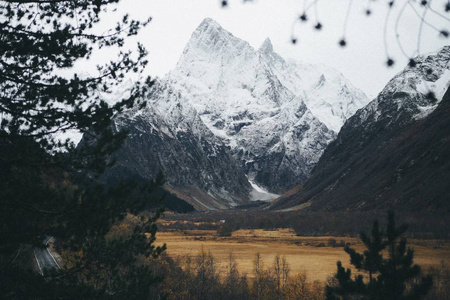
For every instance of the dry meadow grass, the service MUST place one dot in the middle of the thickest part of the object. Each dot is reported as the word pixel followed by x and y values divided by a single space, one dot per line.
pixel 311 255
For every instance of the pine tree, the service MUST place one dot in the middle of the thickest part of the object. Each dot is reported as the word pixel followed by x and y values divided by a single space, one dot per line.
pixel 49 186
pixel 371 259
pixel 38 39
pixel 395 277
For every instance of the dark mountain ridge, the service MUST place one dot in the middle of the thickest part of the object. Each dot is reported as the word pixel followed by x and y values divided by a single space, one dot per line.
pixel 387 160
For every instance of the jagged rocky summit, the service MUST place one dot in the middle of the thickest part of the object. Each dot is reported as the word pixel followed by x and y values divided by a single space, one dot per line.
pixel 393 153
pixel 231 124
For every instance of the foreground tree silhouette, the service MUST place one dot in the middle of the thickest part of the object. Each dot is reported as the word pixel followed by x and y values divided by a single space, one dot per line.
pixel 49 186
pixel 395 277
pixel 41 38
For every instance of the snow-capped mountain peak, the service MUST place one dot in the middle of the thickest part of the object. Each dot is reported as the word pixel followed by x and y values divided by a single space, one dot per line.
pixel 270 112
pixel 206 23
pixel 431 74
pixel 266 46
pixel 232 123
pixel 212 44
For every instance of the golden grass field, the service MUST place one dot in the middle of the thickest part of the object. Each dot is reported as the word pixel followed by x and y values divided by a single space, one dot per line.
pixel 301 252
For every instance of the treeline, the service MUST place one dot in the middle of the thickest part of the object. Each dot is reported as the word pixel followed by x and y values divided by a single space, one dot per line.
pixel 340 223
pixel 193 277
pixel 198 277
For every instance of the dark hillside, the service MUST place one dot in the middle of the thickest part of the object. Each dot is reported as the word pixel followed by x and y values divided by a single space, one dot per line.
pixel 406 168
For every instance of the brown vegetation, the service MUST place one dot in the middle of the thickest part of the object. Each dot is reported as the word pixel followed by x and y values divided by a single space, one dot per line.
pixel 197 277
pixel 261 264
pixel 314 256
pixel 203 275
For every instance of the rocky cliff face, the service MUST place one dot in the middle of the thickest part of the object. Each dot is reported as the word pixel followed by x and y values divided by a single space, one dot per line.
pixel 230 123
pixel 169 136
pixel 391 153
pixel 276 117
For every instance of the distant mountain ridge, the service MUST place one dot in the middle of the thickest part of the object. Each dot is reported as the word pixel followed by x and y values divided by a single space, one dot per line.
pixel 393 153
pixel 231 124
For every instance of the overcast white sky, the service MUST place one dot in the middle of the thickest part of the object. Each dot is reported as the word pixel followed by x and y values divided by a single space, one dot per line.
pixel 362 61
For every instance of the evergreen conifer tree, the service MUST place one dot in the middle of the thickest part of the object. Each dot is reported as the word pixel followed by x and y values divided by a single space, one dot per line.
pixel 391 278
pixel 47 185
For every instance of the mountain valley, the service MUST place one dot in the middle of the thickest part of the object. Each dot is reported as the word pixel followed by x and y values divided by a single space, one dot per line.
pixel 231 124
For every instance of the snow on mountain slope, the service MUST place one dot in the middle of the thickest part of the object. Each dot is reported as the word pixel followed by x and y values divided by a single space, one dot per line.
pixel 169 136
pixel 325 91
pixel 277 117
pixel 231 124
pixel 412 94
pixel 393 153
